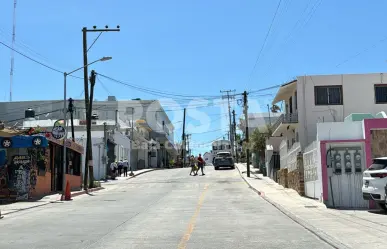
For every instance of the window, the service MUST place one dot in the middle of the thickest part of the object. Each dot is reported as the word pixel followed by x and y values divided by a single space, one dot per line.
pixel 381 94
pixel 328 95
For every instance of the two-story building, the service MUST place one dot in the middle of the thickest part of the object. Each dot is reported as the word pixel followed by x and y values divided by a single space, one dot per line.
pixel 313 99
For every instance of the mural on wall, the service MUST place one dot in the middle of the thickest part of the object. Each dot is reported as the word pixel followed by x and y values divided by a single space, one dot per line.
pixel 378 143
pixel 3 169
pixel 348 159
pixel 19 176
pixel 310 166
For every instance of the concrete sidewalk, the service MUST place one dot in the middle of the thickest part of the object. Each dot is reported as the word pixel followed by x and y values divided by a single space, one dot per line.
pixel 25 205
pixel 340 228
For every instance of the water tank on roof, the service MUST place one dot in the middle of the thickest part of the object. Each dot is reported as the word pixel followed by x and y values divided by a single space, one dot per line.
pixel 29 113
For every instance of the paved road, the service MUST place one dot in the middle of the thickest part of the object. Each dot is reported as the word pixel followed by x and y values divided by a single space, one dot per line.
pixel 163 209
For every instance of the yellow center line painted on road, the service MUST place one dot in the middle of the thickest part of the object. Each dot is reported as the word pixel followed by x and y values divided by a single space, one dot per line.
pixel 192 222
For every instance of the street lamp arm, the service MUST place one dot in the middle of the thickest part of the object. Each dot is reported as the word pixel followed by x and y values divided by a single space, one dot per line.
pixel 102 59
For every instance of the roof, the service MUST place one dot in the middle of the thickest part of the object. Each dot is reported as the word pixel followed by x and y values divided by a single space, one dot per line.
pixel 353 117
pixel 285 90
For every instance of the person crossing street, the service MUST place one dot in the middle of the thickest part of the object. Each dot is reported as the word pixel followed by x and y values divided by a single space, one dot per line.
pixel 201 163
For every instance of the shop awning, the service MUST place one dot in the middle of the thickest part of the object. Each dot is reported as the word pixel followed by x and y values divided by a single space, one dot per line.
pixel 10 132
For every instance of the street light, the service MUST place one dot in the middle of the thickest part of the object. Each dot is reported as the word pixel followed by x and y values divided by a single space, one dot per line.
pixel 65 118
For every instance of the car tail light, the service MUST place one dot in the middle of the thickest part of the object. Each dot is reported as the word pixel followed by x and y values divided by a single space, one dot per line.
pixel 379 175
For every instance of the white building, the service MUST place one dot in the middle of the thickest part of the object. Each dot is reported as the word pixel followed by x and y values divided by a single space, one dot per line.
pixel 118 144
pixel 316 99
pixel 152 124
pixel 258 120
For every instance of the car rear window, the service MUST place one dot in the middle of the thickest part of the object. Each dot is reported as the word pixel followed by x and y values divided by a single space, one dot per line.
pixel 378 165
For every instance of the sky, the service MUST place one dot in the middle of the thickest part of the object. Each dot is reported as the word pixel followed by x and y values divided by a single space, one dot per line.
pixel 190 48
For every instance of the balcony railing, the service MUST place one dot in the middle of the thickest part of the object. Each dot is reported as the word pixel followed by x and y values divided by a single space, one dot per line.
pixel 287 118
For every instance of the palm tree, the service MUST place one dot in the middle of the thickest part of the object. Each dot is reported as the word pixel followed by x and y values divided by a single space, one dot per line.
pixel 275 108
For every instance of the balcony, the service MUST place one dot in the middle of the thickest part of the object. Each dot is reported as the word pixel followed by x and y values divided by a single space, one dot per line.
pixel 285 122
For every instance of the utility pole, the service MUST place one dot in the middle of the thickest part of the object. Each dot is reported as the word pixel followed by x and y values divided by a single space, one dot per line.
pixel 105 161
pixel 229 117
pixel 183 141
pixel 234 135
pixel 131 144
pixel 188 137
pixel 245 110
pixel 268 110
pixel 88 128
pixel 89 153
pixel 71 111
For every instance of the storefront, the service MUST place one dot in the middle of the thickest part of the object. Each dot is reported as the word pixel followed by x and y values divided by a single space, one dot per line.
pixel 22 160
pixel 31 165
pixel 74 153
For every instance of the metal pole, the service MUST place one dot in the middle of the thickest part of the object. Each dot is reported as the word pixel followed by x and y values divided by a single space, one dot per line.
pixel 99 162
pixel 105 149
pixel 247 132
pixel 131 143
pixel 65 136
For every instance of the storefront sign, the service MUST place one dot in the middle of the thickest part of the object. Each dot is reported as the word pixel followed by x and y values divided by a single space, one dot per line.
pixel 58 131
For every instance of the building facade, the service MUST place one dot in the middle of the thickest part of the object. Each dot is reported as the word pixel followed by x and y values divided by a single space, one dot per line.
pixel 152 125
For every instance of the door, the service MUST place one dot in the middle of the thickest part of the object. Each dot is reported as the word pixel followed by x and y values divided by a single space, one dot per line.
pixel 345 176
pixel 58 167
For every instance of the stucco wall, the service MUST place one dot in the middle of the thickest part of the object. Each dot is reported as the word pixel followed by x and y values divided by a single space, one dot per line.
pixel 358 97
pixel 340 130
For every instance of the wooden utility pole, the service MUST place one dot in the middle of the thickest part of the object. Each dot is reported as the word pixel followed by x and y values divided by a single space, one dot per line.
pixel 228 96
pixel 89 153
pixel 70 109
pixel 92 84
pixel 183 141
pixel 235 140
pixel 189 151
pixel 245 110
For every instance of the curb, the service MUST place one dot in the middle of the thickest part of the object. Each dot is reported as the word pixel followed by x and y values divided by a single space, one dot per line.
pixel 150 170
pixel 50 202
pixel 87 191
pixel 27 208
pixel 317 232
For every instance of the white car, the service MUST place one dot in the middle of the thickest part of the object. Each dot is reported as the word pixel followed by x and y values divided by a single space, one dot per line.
pixel 375 181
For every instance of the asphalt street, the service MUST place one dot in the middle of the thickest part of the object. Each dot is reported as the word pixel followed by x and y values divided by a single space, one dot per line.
pixel 161 209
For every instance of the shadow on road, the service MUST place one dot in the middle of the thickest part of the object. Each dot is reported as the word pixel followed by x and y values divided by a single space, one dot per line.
pixel 379 212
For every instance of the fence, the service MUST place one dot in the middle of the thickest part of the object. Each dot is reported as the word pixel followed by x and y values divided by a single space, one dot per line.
pixel 311 175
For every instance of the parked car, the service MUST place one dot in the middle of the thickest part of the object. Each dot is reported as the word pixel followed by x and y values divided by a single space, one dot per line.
pixel 224 159
pixel 375 181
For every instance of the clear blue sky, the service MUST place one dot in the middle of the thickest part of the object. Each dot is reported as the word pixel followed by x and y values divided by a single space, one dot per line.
pixel 190 47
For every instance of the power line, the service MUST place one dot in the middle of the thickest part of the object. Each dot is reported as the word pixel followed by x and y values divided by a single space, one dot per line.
pixel 158 92
pixel 264 42
pixel 32 59
pixel 36 61
pixel 361 52
pixel 305 17
pixel 12 110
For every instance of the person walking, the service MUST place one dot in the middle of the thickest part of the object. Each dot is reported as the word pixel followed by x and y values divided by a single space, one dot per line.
pixel 120 166
pixel 126 165
pixel 201 163
pixel 192 163
pixel 113 167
